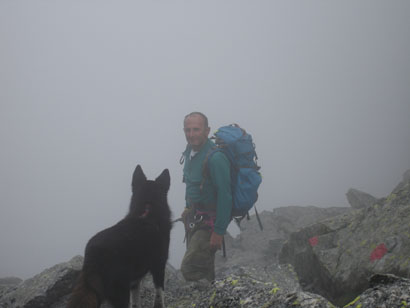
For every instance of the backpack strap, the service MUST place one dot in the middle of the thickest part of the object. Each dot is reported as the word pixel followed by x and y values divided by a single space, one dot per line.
pixel 205 171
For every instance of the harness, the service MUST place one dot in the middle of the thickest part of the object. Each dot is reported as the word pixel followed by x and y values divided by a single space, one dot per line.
pixel 208 219
pixel 201 216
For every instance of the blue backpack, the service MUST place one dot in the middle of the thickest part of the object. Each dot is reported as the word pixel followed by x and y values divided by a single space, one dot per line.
pixel 239 148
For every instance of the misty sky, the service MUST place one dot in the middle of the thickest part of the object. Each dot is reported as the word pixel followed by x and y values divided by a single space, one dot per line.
pixel 90 89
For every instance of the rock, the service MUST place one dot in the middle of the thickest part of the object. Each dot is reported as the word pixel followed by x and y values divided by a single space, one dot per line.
pixel 44 289
pixel 245 290
pixel 386 291
pixel 257 250
pixel 52 287
pixel 8 284
pixel 256 246
pixel 406 176
pixel 335 257
pixel 301 299
pixel 10 281
pixel 358 199
pixel 400 194
pixel 304 257
pixel 173 281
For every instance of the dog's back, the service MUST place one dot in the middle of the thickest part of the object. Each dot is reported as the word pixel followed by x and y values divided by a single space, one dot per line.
pixel 125 252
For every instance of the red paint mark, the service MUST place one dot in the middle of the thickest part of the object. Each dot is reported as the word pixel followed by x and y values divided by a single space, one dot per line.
pixel 378 252
pixel 313 241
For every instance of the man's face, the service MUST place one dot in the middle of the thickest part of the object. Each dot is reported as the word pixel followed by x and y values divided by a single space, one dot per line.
pixel 195 131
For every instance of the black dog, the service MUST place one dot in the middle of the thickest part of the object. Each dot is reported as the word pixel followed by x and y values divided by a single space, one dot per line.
pixel 117 258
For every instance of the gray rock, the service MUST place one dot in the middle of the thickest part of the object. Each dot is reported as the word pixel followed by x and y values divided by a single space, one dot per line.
pixel 44 289
pixel 10 281
pixel 359 199
pixel 335 257
pixel 256 246
pixel 328 255
pixel 406 176
pixel 257 251
pixel 173 281
pixel 386 291
pixel 8 284
pixel 52 287
pixel 245 290
pixel 400 194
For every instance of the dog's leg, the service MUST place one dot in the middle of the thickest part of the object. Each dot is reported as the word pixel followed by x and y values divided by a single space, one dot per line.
pixel 158 275
pixel 159 298
pixel 135 294
pixel 120 298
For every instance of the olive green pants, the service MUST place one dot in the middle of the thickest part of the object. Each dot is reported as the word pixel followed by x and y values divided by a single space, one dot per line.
pixel 199 258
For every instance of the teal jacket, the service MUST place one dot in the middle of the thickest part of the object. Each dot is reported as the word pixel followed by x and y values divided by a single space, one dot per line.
pixel 216 188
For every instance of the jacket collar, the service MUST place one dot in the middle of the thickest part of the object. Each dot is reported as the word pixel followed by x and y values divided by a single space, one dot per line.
pixel 204 147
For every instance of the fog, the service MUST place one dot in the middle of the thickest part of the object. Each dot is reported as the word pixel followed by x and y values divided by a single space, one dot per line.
pixel 90 89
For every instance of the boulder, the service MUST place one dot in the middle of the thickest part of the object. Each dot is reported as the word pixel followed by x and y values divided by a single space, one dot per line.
pixel 400 194
pixel 44 289
pixel 256 246
pixel 10 281
pixel 173 280
pixel 304 257
pixel 335 257
pixel 8 284
pixel 52 287
pixel 385 291
pixel 359 199
pixel 257 250
pixel 244 289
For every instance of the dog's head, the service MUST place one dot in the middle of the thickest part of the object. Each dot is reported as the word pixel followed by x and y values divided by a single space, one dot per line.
pixel 149 198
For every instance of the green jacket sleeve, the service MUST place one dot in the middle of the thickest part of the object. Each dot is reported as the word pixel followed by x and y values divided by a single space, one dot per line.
pixel 219 168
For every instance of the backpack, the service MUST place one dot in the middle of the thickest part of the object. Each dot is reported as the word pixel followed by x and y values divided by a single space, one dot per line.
pixel 239 148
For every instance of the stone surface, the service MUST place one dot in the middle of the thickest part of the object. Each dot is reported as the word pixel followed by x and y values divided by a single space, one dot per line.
pixel 173 280
pixel 327 255
pixel 335 257
pixel 386 291
pixel 10 281
pixel 359 199
pixel 44 289
pixel 400 194
pixel 256 246
pixel 244 289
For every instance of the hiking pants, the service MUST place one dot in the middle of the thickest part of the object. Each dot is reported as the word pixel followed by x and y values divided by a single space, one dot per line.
pixel 199 258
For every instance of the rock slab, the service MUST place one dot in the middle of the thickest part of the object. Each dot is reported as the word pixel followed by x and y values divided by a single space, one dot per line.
pixel 335 257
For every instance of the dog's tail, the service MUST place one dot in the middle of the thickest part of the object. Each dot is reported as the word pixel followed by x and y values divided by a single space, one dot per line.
pixel 86 292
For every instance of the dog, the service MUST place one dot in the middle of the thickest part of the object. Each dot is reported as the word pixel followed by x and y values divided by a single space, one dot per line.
pixel 116 259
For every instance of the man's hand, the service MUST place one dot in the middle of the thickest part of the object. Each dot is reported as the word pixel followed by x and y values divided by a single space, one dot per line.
pixel 216 241
pixel 185 213
pixel 184 217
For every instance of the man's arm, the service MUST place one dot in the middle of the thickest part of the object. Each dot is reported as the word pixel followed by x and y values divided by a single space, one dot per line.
pixel 220 173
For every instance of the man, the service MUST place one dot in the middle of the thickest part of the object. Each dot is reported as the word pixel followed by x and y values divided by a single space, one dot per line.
pixel 208 199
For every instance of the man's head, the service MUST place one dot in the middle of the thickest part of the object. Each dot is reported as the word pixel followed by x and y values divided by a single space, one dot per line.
pixel 196 129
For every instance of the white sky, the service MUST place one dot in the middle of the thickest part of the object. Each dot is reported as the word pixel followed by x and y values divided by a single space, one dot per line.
pixel 89 89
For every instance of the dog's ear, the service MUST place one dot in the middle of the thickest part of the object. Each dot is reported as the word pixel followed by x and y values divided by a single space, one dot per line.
pixel 138 178
pixel 164 179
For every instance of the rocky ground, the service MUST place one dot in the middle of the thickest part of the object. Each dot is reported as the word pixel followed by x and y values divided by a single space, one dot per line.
pixel 336 256
pixel 304 257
